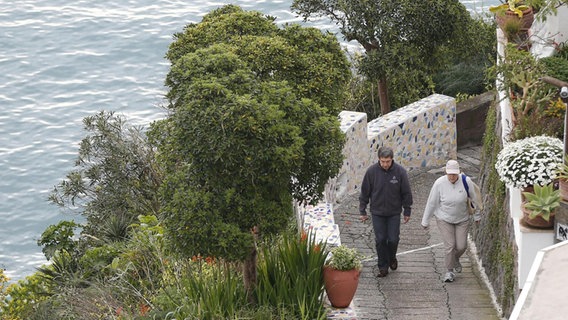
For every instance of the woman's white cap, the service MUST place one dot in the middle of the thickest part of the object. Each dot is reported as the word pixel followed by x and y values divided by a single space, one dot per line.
pixel 452 167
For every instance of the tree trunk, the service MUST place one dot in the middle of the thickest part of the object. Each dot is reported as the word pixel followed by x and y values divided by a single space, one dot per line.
pixel 383 96
pixel 250 270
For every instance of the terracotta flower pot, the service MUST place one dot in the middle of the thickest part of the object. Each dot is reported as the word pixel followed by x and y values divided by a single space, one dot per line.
pixel 526 20
pixel 536 222
pixel 340 286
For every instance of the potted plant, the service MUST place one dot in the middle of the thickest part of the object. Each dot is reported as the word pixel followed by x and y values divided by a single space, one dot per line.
pixel 540 206
pixel 521 74
pixel 513 31
pixel 530 161
pixel 341 275
pixel 513 10
pixel 514 7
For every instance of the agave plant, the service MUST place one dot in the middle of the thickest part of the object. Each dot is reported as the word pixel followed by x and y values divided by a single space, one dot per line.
pixel 543 201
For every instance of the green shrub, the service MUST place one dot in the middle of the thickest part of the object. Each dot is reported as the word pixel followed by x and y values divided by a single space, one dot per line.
pixel 95 262
pixel 556 67
pixel 562 50
pixel 23 297
pixel 59 237
pixel 142 263
pixel 207 291
pixel 538 123
pixel 464 78
pixel 344 259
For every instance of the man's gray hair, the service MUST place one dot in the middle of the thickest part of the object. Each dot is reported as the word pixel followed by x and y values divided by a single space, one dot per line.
pixel 385 152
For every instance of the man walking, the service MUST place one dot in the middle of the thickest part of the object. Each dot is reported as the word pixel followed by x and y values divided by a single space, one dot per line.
pixel 386 186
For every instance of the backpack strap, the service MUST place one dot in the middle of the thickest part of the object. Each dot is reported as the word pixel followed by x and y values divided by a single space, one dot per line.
pixel 464 179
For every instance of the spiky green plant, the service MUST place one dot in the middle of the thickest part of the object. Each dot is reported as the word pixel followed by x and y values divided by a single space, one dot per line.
pixel 290 276
pixel 543 201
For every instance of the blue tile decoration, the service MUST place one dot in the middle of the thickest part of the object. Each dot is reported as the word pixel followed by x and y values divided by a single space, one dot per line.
pixel 344 314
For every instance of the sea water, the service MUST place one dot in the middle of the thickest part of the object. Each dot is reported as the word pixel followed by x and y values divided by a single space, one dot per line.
pixel 61 61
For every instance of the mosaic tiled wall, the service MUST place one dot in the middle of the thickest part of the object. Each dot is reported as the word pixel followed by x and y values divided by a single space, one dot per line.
pixel 355 152
pixel 319 219
pixel 421 134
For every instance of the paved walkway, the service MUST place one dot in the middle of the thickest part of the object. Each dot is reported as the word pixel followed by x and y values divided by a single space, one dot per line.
pixel 415 290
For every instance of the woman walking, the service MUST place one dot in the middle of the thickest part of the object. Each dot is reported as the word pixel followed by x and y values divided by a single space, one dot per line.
pixel 448 202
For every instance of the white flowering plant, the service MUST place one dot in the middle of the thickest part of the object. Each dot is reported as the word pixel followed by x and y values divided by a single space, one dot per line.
pixel 530 161
pixel 343 259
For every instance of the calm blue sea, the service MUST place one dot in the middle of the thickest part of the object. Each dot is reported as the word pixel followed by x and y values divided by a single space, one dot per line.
pixel 63 60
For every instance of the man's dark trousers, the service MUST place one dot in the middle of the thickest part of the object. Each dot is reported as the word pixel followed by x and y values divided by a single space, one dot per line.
pixel 387 235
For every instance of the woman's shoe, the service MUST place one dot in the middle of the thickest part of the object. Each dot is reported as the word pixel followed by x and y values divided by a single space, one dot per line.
pixel 458 267
pixel 449 277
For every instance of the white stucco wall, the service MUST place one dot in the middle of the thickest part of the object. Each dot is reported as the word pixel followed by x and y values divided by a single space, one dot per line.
pixel 546 35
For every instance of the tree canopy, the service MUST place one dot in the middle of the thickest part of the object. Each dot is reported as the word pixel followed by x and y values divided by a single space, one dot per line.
pixel 405 41
pixel 253 124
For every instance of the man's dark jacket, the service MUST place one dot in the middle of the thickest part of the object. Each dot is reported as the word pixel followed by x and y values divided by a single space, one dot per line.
pixel 388 190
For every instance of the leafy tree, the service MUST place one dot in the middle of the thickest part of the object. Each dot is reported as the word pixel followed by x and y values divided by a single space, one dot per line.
pixel 115 180
pixel 253 125
pixel 405 41
pixel 313 63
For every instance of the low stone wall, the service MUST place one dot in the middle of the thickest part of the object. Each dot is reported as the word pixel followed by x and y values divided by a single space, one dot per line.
pixel 355 156
pixel 494 235
pixel 421 134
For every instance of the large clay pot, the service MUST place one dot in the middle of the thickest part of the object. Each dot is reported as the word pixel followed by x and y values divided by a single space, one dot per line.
pixel 526 21
pixel 536 222
pixel 340 286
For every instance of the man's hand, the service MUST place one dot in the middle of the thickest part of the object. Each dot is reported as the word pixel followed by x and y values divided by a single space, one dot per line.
pixel 405 219
pixel 363 218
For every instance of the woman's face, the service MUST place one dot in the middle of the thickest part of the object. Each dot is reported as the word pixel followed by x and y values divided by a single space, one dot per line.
pixel 452 177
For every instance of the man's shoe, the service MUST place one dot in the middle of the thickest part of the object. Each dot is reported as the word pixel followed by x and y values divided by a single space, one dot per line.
pixel 449 277
pixel 458 267
pixel 394 264
pixel 383 273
